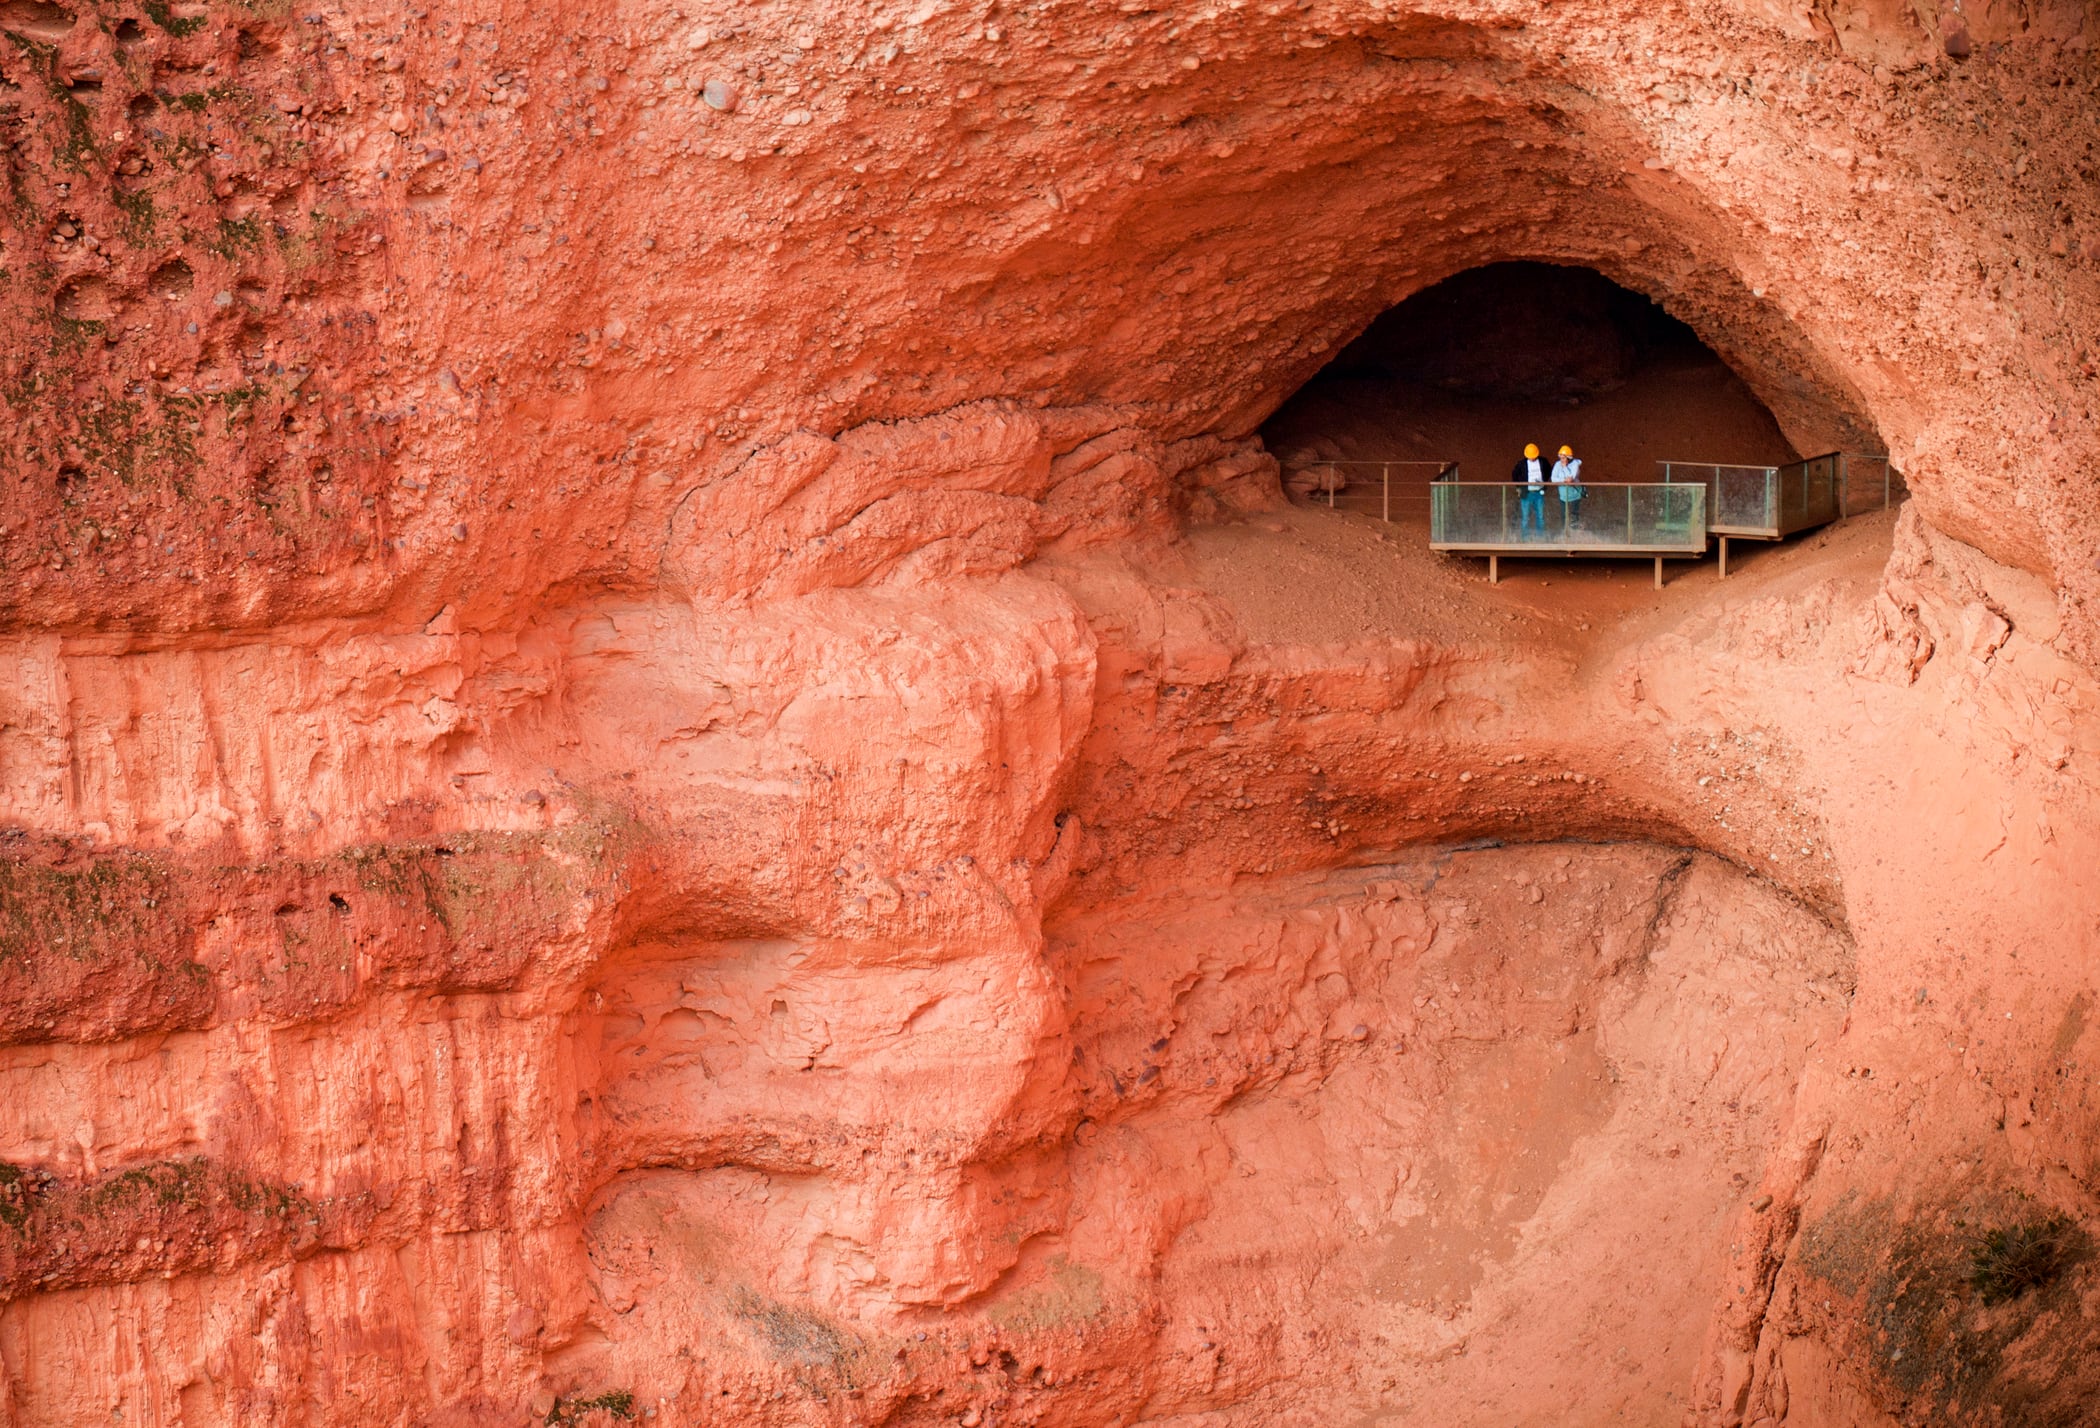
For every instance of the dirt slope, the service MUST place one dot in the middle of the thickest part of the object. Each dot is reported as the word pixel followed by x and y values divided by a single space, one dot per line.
pixel 667 753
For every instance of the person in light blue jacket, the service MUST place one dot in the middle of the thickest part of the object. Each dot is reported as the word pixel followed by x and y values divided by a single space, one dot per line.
pixel 1567 475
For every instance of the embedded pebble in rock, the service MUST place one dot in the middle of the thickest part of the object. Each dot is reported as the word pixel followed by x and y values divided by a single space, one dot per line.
pixel 720 94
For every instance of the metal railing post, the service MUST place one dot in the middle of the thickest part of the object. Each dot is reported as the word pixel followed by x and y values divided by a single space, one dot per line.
pixel 1385 476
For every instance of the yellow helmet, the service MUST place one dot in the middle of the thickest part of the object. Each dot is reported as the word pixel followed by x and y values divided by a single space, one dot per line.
pixel 1567 451
pixel 1531 450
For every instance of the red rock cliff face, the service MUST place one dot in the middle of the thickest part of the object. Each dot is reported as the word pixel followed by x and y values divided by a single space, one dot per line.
pixel 649 772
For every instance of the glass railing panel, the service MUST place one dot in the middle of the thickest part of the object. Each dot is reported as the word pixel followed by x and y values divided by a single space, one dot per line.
pixel 1738 496
pixel 1667 516
pixel 1475 513
pixel 1744 496
pixel 1498 513
pixel 1867 483
pixel 1809 492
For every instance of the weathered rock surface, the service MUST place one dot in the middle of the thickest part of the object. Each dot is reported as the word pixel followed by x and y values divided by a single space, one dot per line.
pixel 666 753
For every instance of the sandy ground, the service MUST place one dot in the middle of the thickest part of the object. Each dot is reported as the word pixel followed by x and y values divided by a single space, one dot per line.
pixel 501 471
pixel 1310 575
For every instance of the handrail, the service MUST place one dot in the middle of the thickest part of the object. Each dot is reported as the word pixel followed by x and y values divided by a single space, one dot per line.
pixel 1769 508
pixel 1590 517
pixel 1889 475
pixel 1770 465
pixel 1444 469
pixel 1825 488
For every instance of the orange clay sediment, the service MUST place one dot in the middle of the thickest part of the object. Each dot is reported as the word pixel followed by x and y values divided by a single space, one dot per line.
pixel 684 762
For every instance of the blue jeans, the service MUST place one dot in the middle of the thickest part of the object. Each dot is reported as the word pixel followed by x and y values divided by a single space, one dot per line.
pixel 1531 506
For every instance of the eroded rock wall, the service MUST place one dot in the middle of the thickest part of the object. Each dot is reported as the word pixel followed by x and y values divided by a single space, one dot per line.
pixel 458 306
pixel 642 775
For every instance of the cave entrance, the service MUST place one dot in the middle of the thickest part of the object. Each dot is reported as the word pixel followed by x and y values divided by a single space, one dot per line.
pixel 1472 369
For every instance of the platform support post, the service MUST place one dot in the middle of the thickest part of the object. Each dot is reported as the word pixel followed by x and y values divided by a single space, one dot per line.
pixel 1658 572
pixel 1724 557
pixel 1494 570
pixel 1385 477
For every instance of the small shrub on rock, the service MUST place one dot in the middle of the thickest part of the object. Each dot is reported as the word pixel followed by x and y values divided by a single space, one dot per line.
pixel 2007 1262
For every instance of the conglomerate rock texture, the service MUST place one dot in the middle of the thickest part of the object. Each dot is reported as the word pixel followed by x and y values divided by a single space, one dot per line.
pixel 646 771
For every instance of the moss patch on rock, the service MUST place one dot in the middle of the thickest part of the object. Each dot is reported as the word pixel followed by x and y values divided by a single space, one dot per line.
pixel 95 949
pixel 1960 1348
pixel 178 1215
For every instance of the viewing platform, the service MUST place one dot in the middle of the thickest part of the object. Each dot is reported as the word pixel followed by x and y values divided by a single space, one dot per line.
pixel 1695 503
pixel 1659 519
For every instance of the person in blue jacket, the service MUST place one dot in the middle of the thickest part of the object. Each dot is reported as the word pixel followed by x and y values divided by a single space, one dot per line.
pixel 1567 477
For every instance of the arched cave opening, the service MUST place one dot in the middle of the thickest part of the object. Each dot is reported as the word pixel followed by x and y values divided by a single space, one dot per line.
pixel 1470 369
